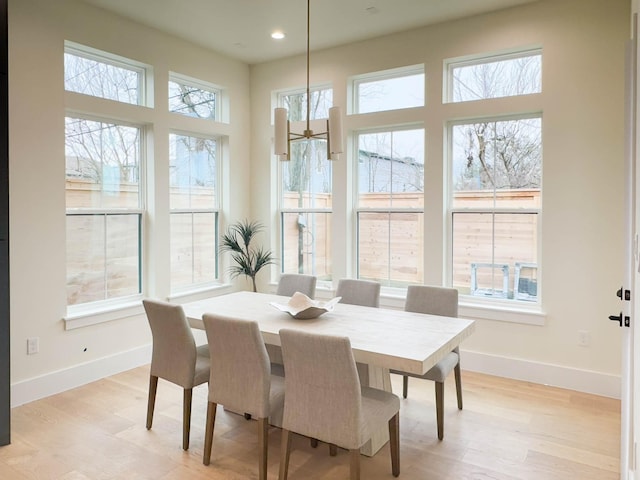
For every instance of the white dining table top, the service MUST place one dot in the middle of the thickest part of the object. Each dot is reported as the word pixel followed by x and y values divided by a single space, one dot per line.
pixel 394 339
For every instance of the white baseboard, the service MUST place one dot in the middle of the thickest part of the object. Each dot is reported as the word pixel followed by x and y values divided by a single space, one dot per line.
pixel 564 377
pixel 78 375
pixel 586 381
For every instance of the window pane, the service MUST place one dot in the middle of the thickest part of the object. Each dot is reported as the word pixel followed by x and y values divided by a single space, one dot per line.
pixel 306 177
pixel 306 188
pixel 102 164
pixel 296 104
pixel 497 164
pixel 192 172
pixel 390 93
pixel 192 101
pixel 500 78
pixel 391 169
pixel 100 79
pixel 193 248
pixel 102 257
pixel 123 260
pixel 306 244
pixel 490 249
pixel 390 247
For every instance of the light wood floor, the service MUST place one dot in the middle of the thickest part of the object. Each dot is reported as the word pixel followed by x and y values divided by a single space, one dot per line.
pixel 507 430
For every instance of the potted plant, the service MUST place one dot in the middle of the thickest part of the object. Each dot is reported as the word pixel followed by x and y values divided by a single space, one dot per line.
pixel 248 258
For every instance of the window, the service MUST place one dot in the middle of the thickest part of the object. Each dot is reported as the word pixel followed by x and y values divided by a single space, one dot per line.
pixel 194 210
pixel 306 193
pixel 389 90
pixel 501 76
pixel 99 74
pixel 295 102
pixel 390 206
pixel 104 210
pixel 495 206
pixel 193 98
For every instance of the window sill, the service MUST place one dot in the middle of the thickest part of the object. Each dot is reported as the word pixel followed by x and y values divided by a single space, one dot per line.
pixel 200 293
pixel 502 312
pixel 84 317
pixel 470 307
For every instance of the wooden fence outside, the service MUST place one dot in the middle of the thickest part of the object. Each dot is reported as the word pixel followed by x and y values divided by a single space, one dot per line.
pixel 390 247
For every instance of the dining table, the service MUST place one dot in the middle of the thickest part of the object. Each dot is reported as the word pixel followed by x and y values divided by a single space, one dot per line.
pixel 382 339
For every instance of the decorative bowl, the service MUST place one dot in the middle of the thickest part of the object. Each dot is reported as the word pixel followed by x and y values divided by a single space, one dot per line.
pixel 302 307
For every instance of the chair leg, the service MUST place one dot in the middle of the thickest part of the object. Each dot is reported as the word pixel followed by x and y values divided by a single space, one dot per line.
pixel 153 388
pixel 208 434
pixel 186 417
pixel 440 408
pixel 263 437
pixel 284 454
pixel 394 443
pixel 405 385
pixel 313 442
pixel 333 450
pixel 458 377
pixel 354 457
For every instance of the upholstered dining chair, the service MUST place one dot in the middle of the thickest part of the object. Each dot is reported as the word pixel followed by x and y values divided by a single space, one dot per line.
pixel 365 293
pixel 175 358
pixel 291 283
pixel 435 301
pixel 241 380
pixel 359 292
pixel 324 399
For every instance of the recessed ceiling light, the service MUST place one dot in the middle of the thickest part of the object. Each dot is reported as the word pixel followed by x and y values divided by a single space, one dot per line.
pixel 277 35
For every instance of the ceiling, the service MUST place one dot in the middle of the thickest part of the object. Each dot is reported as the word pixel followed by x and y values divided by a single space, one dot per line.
pixel 241 28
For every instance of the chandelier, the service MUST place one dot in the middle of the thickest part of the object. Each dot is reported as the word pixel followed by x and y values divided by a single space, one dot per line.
pixel 283 134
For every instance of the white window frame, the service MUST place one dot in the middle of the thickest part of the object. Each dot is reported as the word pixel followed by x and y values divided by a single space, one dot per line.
pixel 509 310
pixel 219 110
pixel 109 308
pixel 278 97
pixel 216 281
pixel 145 72
pixel 353 93
pixel 299 125
pixel 473 60
pixel 390 210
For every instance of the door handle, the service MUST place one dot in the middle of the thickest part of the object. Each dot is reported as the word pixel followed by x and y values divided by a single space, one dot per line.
pixel 616 318
pixel 620 319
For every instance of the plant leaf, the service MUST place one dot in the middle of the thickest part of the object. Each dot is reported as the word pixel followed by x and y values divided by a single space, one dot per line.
pixel 237 240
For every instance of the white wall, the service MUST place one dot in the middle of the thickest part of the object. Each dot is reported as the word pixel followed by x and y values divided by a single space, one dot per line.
pixel 582 105
pixel 37 31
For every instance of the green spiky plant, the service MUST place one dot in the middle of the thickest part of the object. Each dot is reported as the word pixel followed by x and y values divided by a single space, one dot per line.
pixel 249 259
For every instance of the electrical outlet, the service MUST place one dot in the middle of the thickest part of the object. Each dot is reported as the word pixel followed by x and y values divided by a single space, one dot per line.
pixel 33 345
pixel 583 338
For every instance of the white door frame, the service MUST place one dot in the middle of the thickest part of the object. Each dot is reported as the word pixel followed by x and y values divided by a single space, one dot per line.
pixel 629 421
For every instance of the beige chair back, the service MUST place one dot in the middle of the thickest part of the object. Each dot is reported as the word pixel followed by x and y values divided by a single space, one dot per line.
pixel 441 301
pixel 240 369
pixel 323 397
pixel 359 292
pixel 174 348
pixel 291 283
